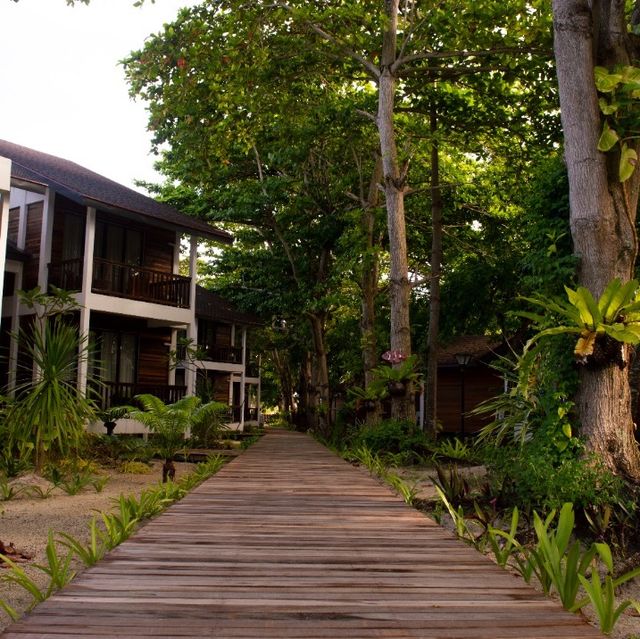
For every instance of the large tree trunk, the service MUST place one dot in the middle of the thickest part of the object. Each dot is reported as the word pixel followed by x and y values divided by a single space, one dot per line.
pixel 394 189
pixel 431 382
pixel 603 210
pixel 369 285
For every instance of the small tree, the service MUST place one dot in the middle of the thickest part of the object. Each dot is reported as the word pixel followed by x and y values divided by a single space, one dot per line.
pixel 171 422
pixel 49 413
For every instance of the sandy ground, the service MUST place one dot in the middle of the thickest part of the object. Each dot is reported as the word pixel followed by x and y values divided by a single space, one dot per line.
pixel 25 522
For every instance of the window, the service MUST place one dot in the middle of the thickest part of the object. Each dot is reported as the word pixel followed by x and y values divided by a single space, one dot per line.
pixel 118 244
pixel 73 240
pixel 117 355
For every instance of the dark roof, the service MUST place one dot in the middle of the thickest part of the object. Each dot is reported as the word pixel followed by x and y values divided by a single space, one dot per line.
pixel 480 347
pixel 89 188
pixel 210 305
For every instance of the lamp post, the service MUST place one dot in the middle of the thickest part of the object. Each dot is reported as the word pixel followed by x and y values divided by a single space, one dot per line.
pixel 463 360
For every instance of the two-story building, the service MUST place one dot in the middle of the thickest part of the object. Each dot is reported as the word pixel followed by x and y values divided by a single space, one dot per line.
pixel 118 251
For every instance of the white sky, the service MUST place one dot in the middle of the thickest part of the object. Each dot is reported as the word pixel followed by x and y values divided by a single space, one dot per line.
pixel 62 90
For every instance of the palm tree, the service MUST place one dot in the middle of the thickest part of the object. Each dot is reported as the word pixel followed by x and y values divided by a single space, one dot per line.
pixel 171 422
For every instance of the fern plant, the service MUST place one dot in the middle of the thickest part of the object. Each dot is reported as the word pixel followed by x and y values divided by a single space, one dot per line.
pixel 171 422
pixel 599 325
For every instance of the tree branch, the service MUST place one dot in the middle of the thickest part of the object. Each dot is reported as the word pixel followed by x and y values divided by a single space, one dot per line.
pixel 441 55
pixel 329 37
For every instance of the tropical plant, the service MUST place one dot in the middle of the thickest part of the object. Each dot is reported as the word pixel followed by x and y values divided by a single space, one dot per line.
pixel 39 491
pixel 8 491
pixel 455 449
pixel 451 483
pixel 169 423
pixel 76 481
pixel 89 553
pixel 614 318
pixel 457 516
pixel 503 544
pixel 559 562
pixel 57 568
pixel 407 491
pixel 602 595
pixel 405 372
pixel 49 412
pixel 109 417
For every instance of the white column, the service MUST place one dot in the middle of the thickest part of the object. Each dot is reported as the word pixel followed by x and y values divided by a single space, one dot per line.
pixel 83 359
pixel 84 297
pixel 193 272
pixel 5 192
pixel 192 327
pixel 13 344
pixel 173 348
pixel 176 253
pixel 22 220
pixel 243 376
pixel 89 245
pixel 46 238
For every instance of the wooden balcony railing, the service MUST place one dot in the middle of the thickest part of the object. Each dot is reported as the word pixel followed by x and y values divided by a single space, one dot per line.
pixel 121 393
pixel 137 283
pixel 226 354
pixel 124 280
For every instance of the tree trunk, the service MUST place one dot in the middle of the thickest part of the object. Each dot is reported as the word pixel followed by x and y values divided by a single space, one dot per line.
pixel 369 285
pixel 603 210
pixel 394 189
pixel 304 415
pixel 431 382
pixel 281 362
pixel 320 376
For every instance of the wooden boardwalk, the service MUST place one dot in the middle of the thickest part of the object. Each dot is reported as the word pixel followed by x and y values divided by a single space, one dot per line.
pixel 288 541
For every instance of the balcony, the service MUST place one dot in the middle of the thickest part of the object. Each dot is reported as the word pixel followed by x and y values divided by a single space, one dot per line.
pixel 225 354
pixel 124 280
pixel 122 393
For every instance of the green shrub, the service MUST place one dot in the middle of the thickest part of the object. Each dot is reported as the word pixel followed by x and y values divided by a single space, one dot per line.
pixel 393 436
pixel 534 478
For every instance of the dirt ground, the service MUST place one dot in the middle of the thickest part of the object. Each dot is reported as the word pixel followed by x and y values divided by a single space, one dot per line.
pixel 25 522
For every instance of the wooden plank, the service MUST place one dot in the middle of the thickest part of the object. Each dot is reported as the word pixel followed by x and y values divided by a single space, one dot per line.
pixel 290 542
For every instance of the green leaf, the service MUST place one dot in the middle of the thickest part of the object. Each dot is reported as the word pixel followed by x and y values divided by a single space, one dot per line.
pixel 538 319
pixel 628 161
pixel 607 298
pixel 608 138
pixel 582 299
pixel 624 335
pixel 566 429
pixel 604 552
pixel 620 297
pixel 608 108
pixel 605 81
